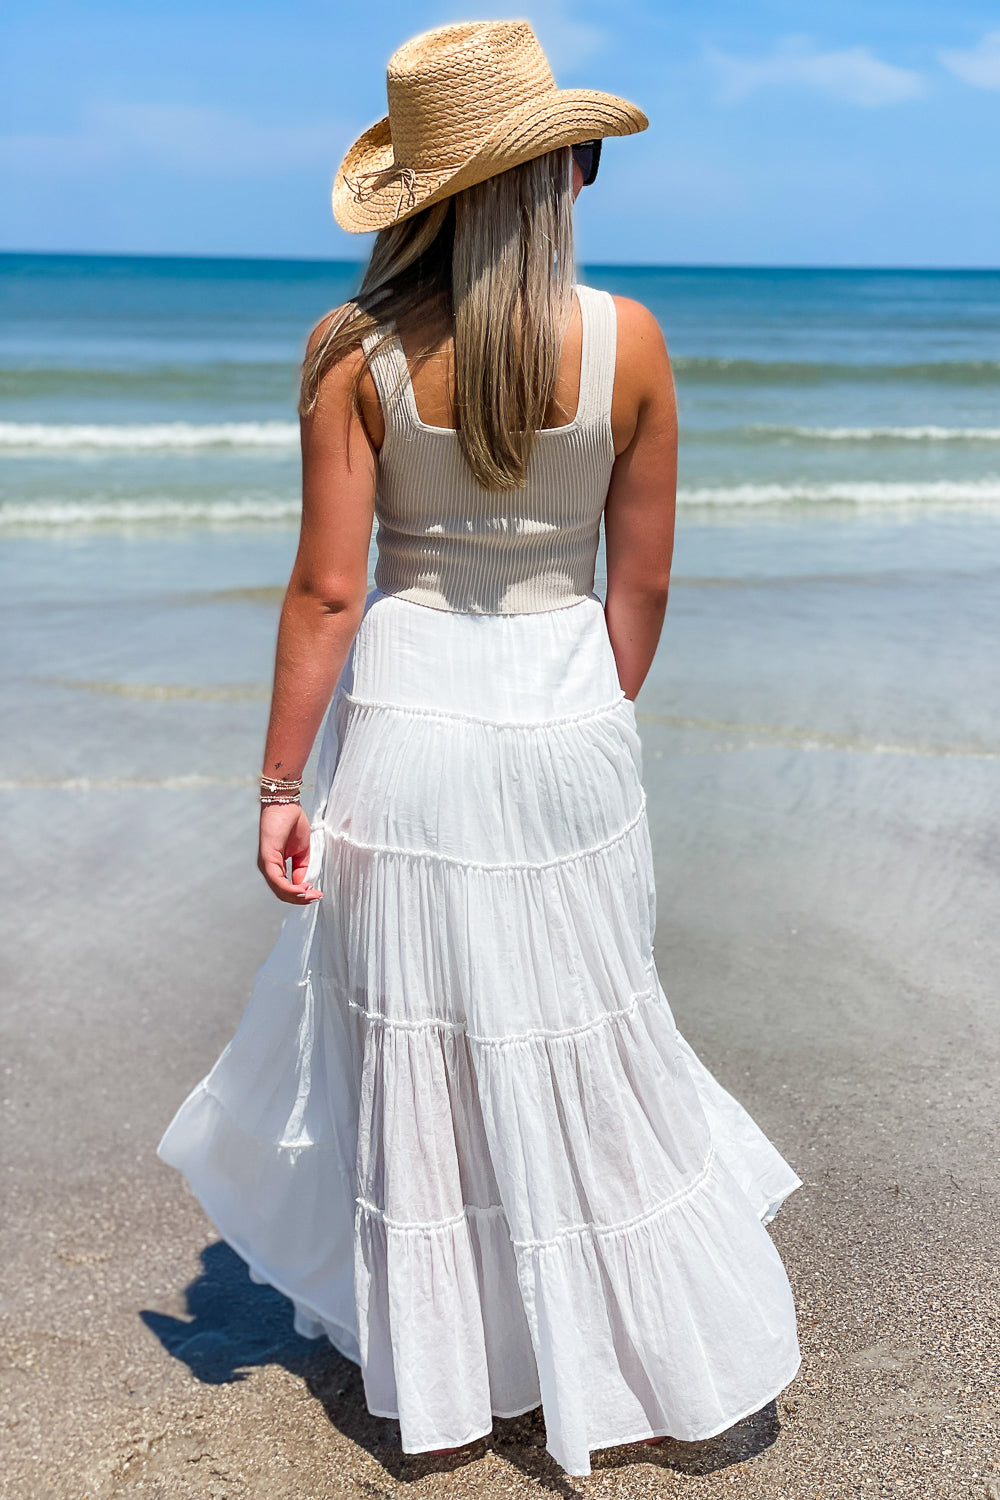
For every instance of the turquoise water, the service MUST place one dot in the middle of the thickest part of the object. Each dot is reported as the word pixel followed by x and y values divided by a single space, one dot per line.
pixel 837 572
pixel 136 390
pixel 821 724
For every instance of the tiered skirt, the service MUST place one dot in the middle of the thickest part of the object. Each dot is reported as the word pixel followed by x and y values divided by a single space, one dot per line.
pixel 457 1124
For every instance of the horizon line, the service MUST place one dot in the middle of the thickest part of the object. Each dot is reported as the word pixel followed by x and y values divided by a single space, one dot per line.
pixel 597 265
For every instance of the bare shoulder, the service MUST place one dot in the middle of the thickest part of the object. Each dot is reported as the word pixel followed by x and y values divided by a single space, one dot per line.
pixel 643 379
pixel 346 387
pixel 338 378
pixel 638 330
pixel 321 332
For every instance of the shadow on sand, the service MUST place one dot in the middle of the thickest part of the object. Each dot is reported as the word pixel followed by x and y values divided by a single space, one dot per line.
pixel 234 1325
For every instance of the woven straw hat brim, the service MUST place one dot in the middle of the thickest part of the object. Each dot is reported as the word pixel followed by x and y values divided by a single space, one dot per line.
pixel 557 118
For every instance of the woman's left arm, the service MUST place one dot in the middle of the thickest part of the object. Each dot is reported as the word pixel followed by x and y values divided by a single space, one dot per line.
pixel 321 613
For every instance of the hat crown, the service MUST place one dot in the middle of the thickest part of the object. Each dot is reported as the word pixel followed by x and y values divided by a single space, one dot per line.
pixel 449 87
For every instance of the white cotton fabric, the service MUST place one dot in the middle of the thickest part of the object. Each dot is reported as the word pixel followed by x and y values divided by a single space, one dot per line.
pixel 457 1125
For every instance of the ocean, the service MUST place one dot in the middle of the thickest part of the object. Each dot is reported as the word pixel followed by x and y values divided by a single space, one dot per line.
pixel 836 596
pixel 137 391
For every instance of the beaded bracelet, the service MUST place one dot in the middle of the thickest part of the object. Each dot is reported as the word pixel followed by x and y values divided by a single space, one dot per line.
pixel 279 789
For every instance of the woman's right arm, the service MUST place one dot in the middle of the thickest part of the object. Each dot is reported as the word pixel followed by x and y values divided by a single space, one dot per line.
pixel 323 607
pixel 640 506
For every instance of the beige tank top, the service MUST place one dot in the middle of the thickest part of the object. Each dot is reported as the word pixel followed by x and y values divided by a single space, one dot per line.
pixel 445 542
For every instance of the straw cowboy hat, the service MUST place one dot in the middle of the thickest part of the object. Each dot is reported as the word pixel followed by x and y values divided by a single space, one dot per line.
pixel 465 102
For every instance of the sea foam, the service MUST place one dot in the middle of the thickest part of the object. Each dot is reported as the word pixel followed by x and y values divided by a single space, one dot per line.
pixel 52 436
pixel 58 515
pixel 110 513
pixel 925 434
pixel 970 494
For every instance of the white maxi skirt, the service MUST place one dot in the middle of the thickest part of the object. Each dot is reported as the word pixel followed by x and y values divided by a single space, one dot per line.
pixel 457 1125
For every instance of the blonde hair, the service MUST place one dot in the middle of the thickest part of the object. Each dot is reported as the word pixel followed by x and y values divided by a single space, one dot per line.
pixel 498 257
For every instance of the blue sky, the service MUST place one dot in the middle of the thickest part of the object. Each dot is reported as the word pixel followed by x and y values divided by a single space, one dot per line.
pixel 834 133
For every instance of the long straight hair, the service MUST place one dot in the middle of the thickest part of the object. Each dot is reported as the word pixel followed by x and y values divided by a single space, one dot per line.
pixel 498 259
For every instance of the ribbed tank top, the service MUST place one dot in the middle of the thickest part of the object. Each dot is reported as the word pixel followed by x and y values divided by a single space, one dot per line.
pixel 445 542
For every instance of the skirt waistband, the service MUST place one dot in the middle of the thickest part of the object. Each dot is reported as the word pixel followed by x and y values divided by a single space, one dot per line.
pixel 509 667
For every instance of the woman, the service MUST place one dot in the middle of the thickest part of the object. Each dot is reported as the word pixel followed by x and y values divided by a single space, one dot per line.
pixel 457 1126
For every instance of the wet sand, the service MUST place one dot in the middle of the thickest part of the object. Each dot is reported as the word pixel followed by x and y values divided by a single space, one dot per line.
pixel 828 886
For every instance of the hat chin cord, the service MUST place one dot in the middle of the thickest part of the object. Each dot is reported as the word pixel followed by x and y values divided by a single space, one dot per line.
pixel 366 184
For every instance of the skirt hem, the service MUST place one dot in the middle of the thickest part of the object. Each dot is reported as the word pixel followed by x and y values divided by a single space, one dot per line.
pixel 347 1348
pixel 702 1437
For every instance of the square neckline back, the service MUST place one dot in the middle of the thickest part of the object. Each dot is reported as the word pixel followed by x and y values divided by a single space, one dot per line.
pixel 410 398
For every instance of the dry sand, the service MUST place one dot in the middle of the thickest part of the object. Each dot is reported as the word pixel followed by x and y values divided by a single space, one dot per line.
pixel 138 1357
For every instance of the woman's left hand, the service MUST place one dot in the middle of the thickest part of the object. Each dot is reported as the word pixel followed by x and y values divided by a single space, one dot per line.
pixel 285 835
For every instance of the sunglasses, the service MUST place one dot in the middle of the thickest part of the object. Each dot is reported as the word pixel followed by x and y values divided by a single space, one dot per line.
pixel 587 155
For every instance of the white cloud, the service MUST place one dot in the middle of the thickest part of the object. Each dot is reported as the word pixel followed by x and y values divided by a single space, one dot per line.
pixel 851 75
pixel 978 65
pixel 202 141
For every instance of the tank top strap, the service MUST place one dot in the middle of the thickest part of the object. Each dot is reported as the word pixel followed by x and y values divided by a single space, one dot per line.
pixel 598 356
pixel 391 375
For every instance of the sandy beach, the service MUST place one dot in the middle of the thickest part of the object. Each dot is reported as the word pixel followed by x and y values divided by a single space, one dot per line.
pixel 824 808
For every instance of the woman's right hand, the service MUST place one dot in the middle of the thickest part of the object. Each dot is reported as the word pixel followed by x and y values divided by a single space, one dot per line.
pixel 285 835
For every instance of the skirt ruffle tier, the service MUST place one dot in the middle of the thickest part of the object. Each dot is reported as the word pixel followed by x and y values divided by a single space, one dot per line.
pixel 457 1125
